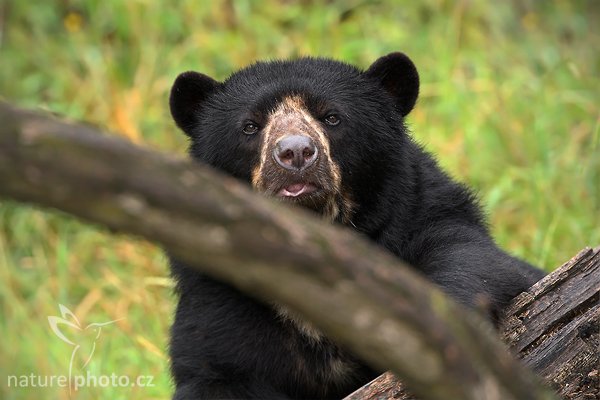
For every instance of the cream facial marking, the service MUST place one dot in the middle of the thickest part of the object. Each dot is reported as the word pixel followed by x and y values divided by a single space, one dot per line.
pixel 291 117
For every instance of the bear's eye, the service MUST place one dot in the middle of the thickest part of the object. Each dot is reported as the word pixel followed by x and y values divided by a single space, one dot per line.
pixel 250 128
pixel 332 120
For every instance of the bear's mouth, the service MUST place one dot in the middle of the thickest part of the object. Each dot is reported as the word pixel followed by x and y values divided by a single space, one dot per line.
pixel 297 190
pixel 306 194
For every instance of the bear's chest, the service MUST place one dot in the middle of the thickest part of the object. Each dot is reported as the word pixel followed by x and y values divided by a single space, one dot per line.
pixel 318 366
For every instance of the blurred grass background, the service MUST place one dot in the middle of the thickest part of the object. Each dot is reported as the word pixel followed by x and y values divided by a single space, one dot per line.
pixel 510 103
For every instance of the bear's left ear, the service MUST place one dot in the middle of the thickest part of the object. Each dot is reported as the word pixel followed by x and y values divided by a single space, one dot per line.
pixel 188 93
pixel 399 76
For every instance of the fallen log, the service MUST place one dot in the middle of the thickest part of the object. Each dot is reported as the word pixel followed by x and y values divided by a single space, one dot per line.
pixel 554 328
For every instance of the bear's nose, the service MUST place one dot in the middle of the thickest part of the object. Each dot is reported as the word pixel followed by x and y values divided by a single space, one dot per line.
pixel 295 152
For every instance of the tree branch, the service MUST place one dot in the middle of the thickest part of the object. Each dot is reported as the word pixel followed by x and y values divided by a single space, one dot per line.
pixel 384 311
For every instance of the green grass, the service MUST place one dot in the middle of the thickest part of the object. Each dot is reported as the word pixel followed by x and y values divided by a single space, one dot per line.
pixel 509 102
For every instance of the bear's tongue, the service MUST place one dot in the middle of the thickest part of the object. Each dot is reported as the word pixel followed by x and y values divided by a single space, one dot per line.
pixel 297 189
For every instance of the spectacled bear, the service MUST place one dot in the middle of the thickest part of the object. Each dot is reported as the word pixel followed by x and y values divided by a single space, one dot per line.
pixel 329 137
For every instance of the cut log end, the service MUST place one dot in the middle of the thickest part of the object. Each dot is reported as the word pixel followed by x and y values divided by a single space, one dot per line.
pixel 554 328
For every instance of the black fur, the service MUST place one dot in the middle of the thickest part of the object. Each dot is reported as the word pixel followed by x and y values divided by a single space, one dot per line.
pixel 226 345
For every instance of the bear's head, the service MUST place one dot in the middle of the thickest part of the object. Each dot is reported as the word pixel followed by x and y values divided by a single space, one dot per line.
pixel 311 131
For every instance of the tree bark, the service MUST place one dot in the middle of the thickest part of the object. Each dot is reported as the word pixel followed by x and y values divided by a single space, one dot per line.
pixel 384 311
pixel 554 327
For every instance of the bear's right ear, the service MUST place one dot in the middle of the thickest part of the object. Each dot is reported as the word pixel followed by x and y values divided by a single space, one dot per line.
pixel 189 91
pixel 398 75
